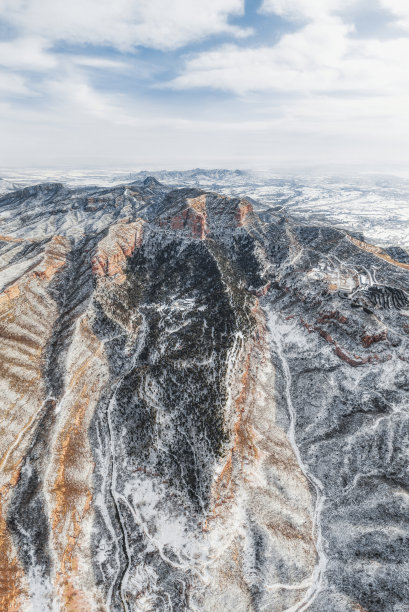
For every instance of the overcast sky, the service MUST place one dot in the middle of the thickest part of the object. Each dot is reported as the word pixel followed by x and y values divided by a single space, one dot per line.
pixel 186 83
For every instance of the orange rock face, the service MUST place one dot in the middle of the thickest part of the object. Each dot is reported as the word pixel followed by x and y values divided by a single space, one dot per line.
pixel 54 258
pixel 243 211
pixel 27 316
pixel 194 222
pixel 69 475
pixel 378 252
pixel 113 251
pixel 8 295
pixel 192 219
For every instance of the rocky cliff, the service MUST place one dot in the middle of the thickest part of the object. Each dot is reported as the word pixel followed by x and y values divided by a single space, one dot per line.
pixel 200 410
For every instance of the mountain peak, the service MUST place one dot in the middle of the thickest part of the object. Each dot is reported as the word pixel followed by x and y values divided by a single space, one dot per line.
pixel 151 181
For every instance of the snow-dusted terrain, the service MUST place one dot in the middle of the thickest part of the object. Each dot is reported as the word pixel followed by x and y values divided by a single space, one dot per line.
pixel 203 397
pixel 375 205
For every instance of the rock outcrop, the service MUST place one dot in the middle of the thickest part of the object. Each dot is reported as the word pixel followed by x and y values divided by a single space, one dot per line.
pixel 200 410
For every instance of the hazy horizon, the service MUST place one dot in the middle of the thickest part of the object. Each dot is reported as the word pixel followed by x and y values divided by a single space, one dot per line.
pixel 291 169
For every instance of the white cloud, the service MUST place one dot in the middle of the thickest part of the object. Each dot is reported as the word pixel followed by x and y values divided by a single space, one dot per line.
pixel 25 55
pixel 75 93
pixel 319 86
pixel 321 57
pixel 296 64
pixel 400 9
pixel 98 62
pixel 319 91
pixel 12 84
pixel 29 53
pixel 124 24
pixel 298 9
pixel 305 9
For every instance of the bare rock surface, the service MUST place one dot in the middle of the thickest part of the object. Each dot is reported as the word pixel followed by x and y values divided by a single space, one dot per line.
pixel 201 410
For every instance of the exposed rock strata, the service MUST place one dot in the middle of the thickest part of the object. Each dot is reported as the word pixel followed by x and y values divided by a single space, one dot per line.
pixel 200 410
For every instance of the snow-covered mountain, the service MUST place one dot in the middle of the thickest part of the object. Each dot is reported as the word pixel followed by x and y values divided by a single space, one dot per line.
pixel 375 205
pixel 204 400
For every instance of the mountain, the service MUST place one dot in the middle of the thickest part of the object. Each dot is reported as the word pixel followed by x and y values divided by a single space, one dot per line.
pixel 202 408
pixel 376 206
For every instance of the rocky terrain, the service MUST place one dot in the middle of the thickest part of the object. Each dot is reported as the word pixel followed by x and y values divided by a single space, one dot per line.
pixel 202 408
pixel 375 205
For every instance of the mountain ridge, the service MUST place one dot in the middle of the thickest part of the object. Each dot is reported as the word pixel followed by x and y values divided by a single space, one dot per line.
pixel 200 408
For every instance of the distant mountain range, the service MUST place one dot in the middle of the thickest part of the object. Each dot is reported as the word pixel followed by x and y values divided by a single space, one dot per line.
pixel 375 205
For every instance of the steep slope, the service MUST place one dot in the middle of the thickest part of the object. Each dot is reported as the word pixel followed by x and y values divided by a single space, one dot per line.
pixel 200 410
